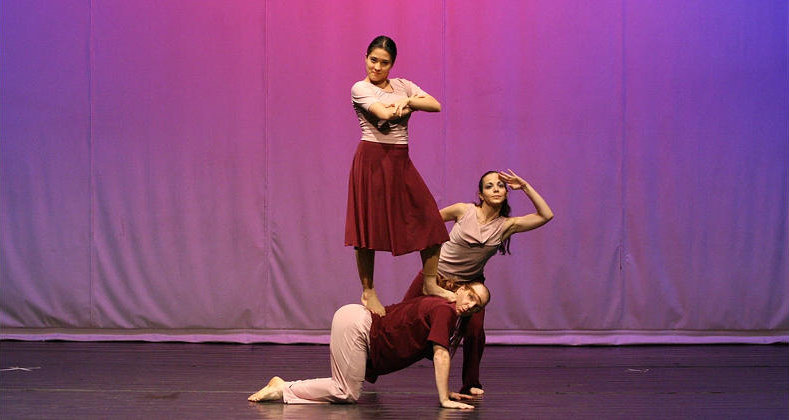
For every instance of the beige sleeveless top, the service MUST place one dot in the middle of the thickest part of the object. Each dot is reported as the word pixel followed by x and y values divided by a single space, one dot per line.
pixel 470 246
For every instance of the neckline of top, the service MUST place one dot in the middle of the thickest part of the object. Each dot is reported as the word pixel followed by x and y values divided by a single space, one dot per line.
pixel 384 90
pixel 477 219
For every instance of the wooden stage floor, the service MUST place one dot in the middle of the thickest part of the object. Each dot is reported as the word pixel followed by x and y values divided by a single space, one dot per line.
pixel 61 380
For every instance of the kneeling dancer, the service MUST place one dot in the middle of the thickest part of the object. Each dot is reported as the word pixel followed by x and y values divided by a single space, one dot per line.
pixel 364 346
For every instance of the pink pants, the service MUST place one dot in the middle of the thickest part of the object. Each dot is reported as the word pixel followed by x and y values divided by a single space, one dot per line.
pixel 350 341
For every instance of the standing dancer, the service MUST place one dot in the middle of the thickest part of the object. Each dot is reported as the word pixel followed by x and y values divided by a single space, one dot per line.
pixel 365 346
pixel 480 230
pixel 389 206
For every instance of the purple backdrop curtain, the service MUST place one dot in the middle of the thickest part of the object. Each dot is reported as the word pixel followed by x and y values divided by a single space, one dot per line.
pixel 178 170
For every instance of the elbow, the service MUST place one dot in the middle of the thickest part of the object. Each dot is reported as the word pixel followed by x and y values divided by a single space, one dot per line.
pixel 546 213
pixel 430 105
pixel 548 216
pixel 441 357
pixel 440 353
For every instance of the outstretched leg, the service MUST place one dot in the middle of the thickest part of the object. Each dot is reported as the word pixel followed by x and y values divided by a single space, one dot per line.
pixel 473 346
pixel 365 263
pixel 272 391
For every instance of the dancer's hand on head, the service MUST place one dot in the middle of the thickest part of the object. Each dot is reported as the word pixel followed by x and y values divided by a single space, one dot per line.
pixel 456 404
pixel 513 180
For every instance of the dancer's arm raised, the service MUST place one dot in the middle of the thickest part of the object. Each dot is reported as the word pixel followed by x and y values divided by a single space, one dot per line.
pixel 543 215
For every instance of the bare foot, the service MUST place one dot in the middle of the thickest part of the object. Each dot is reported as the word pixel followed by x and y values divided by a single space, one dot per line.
pixel 371 302
pixel 476 391
pixel 449 296
pixel 272 391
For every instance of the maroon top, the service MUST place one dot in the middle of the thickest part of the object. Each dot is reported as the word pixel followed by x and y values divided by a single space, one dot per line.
pixel 407 333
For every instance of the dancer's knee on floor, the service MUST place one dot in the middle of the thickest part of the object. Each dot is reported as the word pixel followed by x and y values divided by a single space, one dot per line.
pixel 349 394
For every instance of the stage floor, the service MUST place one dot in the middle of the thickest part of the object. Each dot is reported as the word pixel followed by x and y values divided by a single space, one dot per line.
pixel 179 380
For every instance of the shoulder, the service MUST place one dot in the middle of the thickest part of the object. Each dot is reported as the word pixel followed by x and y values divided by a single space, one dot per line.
pixel 362 88
pixel 456 211
pixel 437 305
pixel 466 208
pixel 441 315
pixel 401 81
pixel 410 87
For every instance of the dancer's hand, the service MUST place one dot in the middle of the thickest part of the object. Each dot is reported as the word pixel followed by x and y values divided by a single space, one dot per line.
pixel 513 180
pixel 401 107
pixel 456 404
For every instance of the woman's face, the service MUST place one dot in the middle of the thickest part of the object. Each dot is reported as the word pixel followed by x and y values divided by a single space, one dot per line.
pixel 494 190
pixel 378 64
pixel 468 300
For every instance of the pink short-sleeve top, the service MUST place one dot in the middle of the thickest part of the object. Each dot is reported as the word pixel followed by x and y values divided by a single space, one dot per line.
pixel 470 246
pixel 364 94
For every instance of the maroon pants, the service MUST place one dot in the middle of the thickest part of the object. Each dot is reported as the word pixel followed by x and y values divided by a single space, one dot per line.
pixel 473 340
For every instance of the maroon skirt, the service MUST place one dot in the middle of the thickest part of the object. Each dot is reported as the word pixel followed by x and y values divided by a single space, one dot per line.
pixel 389 205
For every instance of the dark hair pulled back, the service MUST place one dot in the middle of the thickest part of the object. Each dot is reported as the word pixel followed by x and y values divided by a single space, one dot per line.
pixel 385 43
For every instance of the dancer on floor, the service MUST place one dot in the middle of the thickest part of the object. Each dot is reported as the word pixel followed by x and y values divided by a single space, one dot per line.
pixel 389 206
pixel 480 230
pixel 364 346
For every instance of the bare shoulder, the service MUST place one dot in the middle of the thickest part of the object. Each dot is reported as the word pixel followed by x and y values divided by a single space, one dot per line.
pixel 455 211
